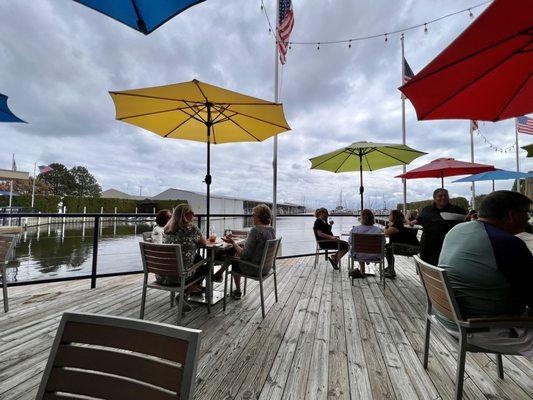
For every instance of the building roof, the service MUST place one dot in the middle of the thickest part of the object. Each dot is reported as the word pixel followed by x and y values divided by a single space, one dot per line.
pixel 7 174
pixel 117 194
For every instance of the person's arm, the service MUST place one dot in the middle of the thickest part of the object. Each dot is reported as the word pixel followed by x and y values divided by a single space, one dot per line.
pixel 201 241
pixel 325 236
pixel 249 246
pixel 391 231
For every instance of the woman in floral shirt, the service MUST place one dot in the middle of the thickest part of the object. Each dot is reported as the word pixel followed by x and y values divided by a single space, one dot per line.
pixel 181 230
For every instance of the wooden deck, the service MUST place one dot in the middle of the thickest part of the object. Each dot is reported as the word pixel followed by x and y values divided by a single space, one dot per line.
pixel 324 339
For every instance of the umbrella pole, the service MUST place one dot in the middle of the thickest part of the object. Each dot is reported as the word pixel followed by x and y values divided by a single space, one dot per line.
pixel 442 180
pixel 208 175
pixel 493 185
pixel 361 187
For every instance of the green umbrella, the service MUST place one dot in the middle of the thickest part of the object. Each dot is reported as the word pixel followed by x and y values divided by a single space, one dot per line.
pixel 529 149
pixel 365 156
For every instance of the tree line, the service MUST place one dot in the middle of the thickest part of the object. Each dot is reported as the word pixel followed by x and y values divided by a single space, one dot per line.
pixel 61 181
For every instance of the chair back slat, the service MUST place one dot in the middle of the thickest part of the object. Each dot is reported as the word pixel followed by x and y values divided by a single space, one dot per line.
pixel 99 386
pixel 368 243
pixel 438 290
pixel 270 253
pixel 7 243
pixel 131 365
pixel 111 357
pixel 162 259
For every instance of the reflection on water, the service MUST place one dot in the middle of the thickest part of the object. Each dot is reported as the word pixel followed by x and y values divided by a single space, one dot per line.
pixel 66 249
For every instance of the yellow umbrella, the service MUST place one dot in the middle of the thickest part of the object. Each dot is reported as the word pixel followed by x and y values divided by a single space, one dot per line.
pixel 201 112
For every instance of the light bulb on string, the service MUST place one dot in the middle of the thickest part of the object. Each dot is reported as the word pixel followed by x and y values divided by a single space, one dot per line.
pixel 470 13
pixel 262 8
pixel 425 28
pixel 386 37
pixel 350 44
pixel 318 46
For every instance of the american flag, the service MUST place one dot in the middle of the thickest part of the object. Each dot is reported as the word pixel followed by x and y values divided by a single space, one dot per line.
pixel 286 23
pixel 45 168
pixel 407 72
pixel 524 125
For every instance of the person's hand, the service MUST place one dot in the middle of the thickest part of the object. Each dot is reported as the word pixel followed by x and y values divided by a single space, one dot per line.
pixel 228 239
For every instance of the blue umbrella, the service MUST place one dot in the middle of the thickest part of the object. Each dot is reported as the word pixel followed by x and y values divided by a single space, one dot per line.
pixel 496 175
pixel 143 15
pixel 5 113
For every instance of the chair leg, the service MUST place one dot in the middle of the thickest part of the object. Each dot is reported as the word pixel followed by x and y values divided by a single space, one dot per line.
pixel 262 299
pixel 426 343
pixel 316 258
pixel 225 290
pixel 244 292
pixel 143 301
pixel 4 290
pixel 460 373
pixel 275 286
pixel 171 299
pixel 499 362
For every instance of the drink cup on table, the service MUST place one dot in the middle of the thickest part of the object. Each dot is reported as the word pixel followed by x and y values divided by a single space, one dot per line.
pixel 213 238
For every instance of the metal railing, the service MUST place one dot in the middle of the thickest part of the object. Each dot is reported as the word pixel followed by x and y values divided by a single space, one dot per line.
pixel 97 219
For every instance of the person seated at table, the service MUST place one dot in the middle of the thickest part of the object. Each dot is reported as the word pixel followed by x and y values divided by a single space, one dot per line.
pixel 411 215
pixel 398 234
pixel 490 271
pixel 471 216
pixel 434 226
pixel 367 226
pixel 181 230
pixel 161 219
pixel 322 231
pixel 253 248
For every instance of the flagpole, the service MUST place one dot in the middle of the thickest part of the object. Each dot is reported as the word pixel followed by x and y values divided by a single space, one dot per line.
pixel 472 160
pixel 517 154
pixel 11 183
pixel 404 181
pixel 276 100
pixel 33 186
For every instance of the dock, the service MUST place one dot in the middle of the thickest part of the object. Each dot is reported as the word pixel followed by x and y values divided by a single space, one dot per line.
pixel 323 339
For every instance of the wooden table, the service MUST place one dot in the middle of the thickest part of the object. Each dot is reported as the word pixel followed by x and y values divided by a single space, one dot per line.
pixel 212 248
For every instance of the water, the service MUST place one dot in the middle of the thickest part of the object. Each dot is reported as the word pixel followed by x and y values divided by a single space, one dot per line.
pixel 65 250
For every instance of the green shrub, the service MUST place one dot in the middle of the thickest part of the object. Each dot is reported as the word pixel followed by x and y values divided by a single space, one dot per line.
pixel 43 203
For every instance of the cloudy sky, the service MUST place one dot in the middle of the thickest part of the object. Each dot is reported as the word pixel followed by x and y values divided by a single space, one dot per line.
pixel 59 59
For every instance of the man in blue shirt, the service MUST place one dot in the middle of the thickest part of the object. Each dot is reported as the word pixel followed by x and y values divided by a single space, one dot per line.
pixel 491 270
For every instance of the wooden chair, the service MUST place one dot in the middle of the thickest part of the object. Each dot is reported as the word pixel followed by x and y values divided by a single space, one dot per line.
pixel 7 246
pixel 326 251
pixel 369 243
pixel 267 261
pixel 166 260
pixel 106 357
pixel 440 297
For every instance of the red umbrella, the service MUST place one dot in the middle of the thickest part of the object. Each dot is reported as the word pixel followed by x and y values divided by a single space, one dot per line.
pixel 485 74
pixel 442 167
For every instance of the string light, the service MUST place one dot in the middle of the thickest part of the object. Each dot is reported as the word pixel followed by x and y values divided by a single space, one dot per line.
pixel 350 44
pixel 318 46
pixel 384 34
pixel 494 147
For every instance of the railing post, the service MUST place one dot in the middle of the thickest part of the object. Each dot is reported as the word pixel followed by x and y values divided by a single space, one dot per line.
pixel 95 251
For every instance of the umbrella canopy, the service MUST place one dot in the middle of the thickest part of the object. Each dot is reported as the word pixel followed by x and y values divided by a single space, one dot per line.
pixel 200 112
pixel 529 149
pixel 5 113
pixel 142 15
pixel 365 156
pixel 442 167
pixel 496 175
pixel 485 74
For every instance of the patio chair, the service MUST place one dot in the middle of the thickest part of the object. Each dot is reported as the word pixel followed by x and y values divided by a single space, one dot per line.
pixel 440 297
pixel 7 246
pixel 267 261
pixel 406 250
pixel 369 243
pixel 147 236
pixel 166 260
pixel 326 251
pixel 99 356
